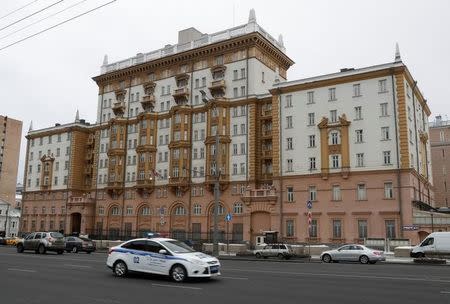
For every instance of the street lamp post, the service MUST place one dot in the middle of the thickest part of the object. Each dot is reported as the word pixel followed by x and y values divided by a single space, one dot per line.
pixel 215 252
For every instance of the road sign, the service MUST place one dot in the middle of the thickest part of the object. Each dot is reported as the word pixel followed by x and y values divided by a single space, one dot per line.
pixel 228 217
pixel 309 218
pixel 410 228
pixel 309 204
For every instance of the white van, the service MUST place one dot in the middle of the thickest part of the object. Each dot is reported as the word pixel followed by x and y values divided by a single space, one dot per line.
pixel 436 243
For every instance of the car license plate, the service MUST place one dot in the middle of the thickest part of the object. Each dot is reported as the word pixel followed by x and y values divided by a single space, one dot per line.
pixel 214 269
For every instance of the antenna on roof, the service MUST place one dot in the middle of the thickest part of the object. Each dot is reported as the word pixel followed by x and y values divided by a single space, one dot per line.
pixel 398 58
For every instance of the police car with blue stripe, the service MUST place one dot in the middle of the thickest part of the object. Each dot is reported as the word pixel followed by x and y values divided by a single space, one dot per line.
pixel 161 256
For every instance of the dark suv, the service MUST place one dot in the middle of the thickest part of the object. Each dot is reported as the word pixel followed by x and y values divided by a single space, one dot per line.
pixel 41 242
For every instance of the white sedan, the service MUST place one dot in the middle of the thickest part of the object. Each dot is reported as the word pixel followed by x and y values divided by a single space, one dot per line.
pixel 353 253
pixel 161 256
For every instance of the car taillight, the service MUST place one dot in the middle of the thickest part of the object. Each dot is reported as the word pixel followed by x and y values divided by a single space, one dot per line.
pixel 377 252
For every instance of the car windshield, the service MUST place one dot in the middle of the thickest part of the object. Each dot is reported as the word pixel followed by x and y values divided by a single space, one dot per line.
pixel 85 239
pixel 177 246
pixel 56 235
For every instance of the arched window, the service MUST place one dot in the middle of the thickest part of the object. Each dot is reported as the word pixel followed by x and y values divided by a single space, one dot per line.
pixel 220 209
pixel 145 210
pixel 115 210
pixel 237 208
pixel 179 210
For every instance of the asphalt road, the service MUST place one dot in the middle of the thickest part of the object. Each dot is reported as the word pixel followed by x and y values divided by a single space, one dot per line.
pixel 81 278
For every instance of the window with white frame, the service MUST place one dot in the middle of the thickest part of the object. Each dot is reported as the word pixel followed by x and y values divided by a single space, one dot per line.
pixel 361 192
pixel 359 136
pixel 333 116
pixel 331 94
pixel 362 229
pixel 288 101
pixel 311 119
pixel 337 229
pixel 288 122
pixel 388 190
pixel 312 163
pixel 197 209
pixel 358 113
pixel 313 229
pixel 334 138
pixel 356 90
pixel 310 97
pixel 382 86
pixel 238 208
pixel 290 165
pixel 289 143
pixel 335 161
pixel 180 210
pixel 384 109
pixel 336 193
pixel 312 193
pixel 312 141
pixel 386 157
pixel 290 228
pixel 290 194
pixel 115 210
pixel 390 229
pixel 360 159
pixel 385 133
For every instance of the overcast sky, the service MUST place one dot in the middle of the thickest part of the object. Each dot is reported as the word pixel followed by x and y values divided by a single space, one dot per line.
pixel 46 78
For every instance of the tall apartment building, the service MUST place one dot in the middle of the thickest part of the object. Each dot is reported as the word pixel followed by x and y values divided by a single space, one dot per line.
pixel 353 143
pixel 440 155
pixel 10 135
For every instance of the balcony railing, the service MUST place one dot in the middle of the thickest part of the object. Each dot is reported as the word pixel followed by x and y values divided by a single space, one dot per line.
pixel 250 195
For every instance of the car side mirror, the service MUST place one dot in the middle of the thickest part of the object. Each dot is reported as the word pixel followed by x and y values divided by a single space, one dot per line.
pixel 162 251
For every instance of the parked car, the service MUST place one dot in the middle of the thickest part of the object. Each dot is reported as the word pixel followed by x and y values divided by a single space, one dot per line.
pixel 76 244
pixel 353 253
pixel 161 256
pixel 436 243
pixel 12 241
pixel 41 242
pixel 2 241
pixel 281 251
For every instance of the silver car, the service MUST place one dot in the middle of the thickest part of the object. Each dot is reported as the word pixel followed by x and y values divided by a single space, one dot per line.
pixel 41 242
pixel 353 253
pixel 281 251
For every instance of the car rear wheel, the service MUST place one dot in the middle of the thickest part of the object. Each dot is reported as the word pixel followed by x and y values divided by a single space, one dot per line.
pixel 20 248
pixel 364 259
pixel 326 258
pixel 258 255
pixel 75 249
pixel 60 252
pixel 41 249
pixel 120 269
pixel 280 256
pixel 178 273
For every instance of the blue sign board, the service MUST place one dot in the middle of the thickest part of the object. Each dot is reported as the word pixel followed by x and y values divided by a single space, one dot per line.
pixel 228 217
pixel 309 204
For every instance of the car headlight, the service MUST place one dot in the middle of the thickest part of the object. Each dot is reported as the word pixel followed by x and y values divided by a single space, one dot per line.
pixel 198 262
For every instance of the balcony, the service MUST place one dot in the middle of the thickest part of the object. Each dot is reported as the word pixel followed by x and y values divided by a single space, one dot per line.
pixel 148 103
pixel 266 114
pixel 181 95
pixel 267 176
pixel 266 153
pixel 88 170
pixel 224 180
pixel 88 156
pixel 145 185
pixel 119 108
pixel 146 148
pixel 265 134
pixel 258 195
pixel 115 184
pixel 217 88
pixel 79 201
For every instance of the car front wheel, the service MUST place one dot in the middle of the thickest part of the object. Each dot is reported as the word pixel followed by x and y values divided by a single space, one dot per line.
pixel 41 249
pixel 178 273
pixel 258 255
pixel 363 259
pixel 326 258
pixel 20 248
pixel 120 269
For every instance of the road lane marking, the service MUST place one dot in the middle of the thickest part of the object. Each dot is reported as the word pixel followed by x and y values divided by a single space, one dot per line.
pixel 341 275
pixel 445 292
pixel 21 270
pixel 233 278
pixel 174 286
pixel 51 256
pixel 79 266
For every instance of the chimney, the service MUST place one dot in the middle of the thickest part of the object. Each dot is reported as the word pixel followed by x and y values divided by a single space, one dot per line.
pixel 438 120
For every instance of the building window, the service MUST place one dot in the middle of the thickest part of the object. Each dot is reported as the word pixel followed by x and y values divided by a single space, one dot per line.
pixel 336 193
pixel 387 157
pixel 362 229
pixel 310 97
pixel 333 115
pixel 145 210
pixel 115 211
pixel 312 163
pixel 289 228
pixel 235 169
pixel 288 101
pixel 312 141
pixel 382 86
pixel 237 208
pixel 290 194
pixel 129 210
pixel 385 133
pixel 356 90
pixel 313 229
pixel 388 190
pixel 390 229
pixel 312 193
pixel 197 209
pixel 311 119
pixel 358 113
pixel 331 94
pixel 243 92
pixel 384 109
pixel 288 122
pixel 290 145
pixel 290 167
pixel 337 229
pixel 361 192
pixel 179 210
pixel 359 136
pixel 335 161
pixel 360 159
